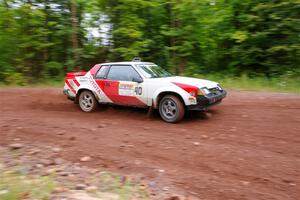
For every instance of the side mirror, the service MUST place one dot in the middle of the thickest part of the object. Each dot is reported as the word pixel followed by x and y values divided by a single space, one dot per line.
pixel 137 79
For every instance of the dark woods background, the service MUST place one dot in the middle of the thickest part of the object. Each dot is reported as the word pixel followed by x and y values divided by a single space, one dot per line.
pixel 42 39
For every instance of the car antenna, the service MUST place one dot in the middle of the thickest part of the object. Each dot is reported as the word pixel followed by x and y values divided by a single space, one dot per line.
pixel 136 59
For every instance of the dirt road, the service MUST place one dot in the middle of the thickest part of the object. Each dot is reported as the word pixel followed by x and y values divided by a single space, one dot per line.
pixel 246 148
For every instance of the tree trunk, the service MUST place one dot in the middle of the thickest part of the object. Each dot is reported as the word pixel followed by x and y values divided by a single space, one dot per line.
pixel 46 26
pixel 182 65
pixel 173 38
pixel 178 62
pixel 74 36
pixel 5 4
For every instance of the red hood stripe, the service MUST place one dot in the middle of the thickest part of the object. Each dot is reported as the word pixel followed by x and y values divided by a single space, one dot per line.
pixel 187 88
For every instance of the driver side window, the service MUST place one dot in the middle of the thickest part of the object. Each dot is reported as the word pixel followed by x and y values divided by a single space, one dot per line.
pixel 122 73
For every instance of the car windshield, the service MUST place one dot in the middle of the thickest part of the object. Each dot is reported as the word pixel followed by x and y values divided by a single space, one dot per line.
pixel 152 71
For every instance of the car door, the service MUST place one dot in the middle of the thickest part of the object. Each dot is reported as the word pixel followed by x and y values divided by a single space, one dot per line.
pixel 123 85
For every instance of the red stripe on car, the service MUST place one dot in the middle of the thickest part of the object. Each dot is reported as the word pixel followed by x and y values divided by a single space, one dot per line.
pixel 187 88
pixel 76 82
pixel 69 85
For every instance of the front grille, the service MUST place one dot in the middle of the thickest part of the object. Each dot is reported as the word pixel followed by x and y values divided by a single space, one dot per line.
pixel 214 91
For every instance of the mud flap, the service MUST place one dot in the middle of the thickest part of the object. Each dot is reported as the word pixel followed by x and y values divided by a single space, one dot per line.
pixel 150 112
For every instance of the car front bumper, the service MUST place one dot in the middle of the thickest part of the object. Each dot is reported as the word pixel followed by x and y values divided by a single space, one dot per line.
pixel 206 101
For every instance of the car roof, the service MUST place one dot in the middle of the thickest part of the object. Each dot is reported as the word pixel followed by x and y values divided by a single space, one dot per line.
pixel 127 63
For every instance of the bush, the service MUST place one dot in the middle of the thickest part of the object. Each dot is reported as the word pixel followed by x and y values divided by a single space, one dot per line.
pixel 53 69
pixel 13 78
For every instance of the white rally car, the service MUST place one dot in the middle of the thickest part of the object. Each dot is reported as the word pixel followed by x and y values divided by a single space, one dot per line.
pixel 141 84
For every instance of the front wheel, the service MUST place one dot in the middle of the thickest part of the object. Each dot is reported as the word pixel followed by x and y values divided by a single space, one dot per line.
pixel 171 109
pixel 87 101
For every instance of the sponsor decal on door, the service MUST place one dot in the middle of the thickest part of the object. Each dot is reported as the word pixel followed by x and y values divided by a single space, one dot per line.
pixel 126 89
pixel 130 89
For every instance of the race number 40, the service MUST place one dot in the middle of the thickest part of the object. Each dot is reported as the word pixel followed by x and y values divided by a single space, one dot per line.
pixel 138 90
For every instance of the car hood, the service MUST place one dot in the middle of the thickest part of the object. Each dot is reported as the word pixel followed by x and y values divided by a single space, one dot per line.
pixel 200 83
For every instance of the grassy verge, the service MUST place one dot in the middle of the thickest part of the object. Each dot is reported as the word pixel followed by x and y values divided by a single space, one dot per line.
pixel 45 83
pixel 15 186
pixel 290 85
pixel 282 84
pixel 125 188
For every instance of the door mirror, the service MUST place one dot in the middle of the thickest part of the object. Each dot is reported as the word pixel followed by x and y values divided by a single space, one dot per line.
pixel 137 79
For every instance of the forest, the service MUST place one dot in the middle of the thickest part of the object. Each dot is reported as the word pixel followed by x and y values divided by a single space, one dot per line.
pixel 257 39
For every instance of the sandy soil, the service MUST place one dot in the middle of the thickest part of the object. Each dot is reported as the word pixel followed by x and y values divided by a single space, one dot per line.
pixel 246 148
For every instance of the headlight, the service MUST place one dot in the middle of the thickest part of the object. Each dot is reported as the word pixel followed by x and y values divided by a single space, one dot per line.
pixel 200 92
pixel 220 88
pixel 203 91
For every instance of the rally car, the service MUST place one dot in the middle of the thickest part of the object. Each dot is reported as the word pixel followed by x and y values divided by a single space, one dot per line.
pixel 141 84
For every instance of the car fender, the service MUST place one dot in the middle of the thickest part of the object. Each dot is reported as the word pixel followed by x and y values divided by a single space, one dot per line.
pixel 86 88
pixel 173 89
pixel 87 82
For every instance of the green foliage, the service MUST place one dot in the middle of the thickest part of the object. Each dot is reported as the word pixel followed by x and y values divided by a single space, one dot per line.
pixel 13 78
pixel 272 46
pixel 44 39
pixel 126 16
pixel 53 69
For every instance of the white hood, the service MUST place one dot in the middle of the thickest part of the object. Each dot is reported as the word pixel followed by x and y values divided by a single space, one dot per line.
pixel 200 83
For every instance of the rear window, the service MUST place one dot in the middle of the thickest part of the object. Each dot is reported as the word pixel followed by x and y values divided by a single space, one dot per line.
pixel 101 74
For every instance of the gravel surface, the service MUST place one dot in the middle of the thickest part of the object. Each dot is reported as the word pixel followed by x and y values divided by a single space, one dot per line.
pixel 246 148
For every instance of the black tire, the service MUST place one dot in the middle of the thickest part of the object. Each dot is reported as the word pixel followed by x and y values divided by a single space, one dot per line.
pixel 171 109
pixel 87 101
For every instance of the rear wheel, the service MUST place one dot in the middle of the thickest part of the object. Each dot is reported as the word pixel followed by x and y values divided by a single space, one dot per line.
pixel 171 109
pixel 87 101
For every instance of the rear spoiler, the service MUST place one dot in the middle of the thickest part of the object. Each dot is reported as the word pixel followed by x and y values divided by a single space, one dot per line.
pixel 74 74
